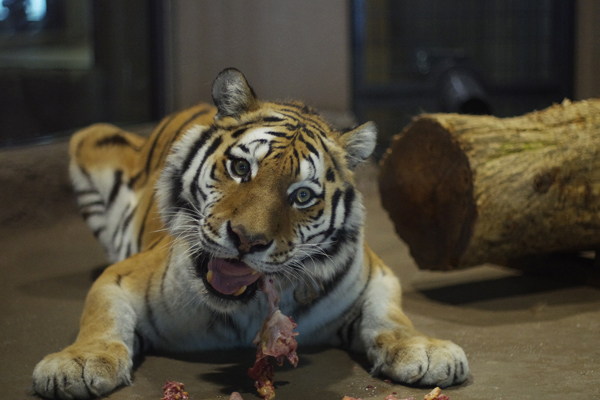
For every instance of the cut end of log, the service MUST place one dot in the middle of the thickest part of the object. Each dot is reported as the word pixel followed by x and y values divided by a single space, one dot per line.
pixel 467 190
pixel 426 186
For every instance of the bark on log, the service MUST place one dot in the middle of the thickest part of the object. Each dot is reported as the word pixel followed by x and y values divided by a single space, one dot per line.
pixel 467 190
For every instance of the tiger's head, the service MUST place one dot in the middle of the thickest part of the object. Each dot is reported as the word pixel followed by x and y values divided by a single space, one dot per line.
pixel 266 190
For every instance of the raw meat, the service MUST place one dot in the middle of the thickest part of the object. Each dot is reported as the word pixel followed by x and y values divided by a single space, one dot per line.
pixel 436 394
pixel 277 339
pixel 174 391
pixel 236 396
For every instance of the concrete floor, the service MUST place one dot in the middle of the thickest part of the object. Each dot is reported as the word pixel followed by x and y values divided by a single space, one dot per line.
pixel 526 337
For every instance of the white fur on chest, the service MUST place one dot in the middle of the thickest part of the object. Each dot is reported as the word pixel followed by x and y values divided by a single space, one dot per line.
pixel 179 320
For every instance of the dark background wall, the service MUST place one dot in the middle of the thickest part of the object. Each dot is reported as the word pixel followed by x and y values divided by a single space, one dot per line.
pixel 587 58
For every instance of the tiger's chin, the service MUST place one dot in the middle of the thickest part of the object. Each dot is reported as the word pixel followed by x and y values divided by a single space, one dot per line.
pixel 228 281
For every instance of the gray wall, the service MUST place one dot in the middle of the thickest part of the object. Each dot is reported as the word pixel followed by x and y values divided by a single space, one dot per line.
pixel 297 49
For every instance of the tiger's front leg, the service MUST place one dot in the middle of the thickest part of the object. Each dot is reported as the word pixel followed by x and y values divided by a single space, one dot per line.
pixel 395 348
pixel 100 360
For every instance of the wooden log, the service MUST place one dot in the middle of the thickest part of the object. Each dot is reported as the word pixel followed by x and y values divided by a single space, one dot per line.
pixel 467 190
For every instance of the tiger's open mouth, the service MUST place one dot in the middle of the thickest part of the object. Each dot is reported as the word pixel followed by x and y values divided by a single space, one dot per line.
pixel 228 278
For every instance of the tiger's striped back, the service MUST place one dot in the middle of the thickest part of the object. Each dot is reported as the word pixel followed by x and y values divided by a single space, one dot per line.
pixel 114 173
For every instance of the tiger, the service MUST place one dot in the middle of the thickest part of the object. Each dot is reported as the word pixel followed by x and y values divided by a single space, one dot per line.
pixel 215 200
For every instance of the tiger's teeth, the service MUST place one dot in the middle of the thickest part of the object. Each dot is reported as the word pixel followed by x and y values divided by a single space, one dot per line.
pixel 254 272
pixel 209 276
pixel 242 290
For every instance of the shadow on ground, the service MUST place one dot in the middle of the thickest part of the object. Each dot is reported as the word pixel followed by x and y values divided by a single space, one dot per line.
pixel 547 288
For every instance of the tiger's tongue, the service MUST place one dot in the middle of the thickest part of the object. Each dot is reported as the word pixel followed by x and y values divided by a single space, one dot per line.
pixel 229 276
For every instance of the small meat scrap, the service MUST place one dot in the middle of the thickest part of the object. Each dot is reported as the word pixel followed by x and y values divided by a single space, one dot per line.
pixel 236 396
pixel 174 391
pixel 263 374
pixel 276 338
pixel 436 394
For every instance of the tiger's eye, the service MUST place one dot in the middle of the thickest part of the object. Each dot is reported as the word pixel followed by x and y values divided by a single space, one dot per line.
pixel 303 195
pixel 241 167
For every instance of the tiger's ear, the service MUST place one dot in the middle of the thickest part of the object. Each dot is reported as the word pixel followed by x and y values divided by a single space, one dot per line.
pixel 232 95
pixel 359 143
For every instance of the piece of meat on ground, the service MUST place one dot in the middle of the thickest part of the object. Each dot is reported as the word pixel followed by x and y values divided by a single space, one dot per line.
pixel 174 391
pixel 236 396
pixel 436 394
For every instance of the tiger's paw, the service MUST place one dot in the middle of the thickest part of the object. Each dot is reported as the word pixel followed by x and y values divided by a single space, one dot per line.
pixel 83 371
pixel 419 360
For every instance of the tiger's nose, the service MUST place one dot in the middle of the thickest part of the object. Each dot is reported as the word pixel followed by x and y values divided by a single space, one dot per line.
pixel 246 243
